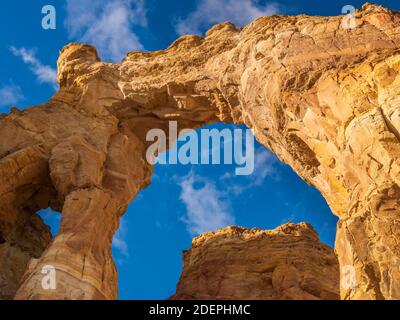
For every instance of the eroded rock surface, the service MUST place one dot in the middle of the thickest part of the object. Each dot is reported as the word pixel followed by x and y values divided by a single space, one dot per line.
pixel 236 263
pixel 324 98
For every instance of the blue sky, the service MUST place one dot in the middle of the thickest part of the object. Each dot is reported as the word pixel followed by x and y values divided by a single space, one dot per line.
pixel 164 217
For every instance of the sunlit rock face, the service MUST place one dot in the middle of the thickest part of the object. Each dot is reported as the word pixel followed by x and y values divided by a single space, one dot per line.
pixel 322 97
pixel 236 263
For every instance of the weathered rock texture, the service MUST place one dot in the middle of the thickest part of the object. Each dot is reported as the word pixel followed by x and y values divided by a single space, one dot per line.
pixel 323 98
pixel 236 263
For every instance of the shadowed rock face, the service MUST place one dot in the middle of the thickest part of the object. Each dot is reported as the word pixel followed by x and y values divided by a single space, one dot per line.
pixel 235 263
pixel 324 99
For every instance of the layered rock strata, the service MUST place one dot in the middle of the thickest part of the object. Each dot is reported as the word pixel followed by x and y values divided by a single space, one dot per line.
pixel 236 263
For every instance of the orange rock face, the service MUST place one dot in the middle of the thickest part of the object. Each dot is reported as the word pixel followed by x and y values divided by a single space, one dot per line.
pixel 323 98
pixel 235 263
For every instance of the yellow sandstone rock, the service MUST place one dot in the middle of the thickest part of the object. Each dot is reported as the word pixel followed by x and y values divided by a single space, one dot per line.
pixel 236 263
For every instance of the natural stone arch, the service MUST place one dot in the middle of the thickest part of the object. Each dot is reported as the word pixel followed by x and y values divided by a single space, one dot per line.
pixel 324 99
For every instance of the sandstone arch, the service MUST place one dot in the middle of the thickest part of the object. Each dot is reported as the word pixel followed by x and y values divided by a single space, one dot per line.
pixel 324 99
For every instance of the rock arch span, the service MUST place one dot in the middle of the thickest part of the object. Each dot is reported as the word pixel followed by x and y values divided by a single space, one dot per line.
pixel 324 99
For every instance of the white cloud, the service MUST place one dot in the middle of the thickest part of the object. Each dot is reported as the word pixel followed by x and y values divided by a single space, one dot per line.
pixel 44 73
pixel 263 166
pixel 121 245
pixel 210 12
pixel 10 95
pixel 207 207
pixel 292 218
pixel 264 162
pixel 119 242
pixel 107 25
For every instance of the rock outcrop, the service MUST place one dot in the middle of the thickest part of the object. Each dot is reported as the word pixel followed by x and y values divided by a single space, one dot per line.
pixel 27 238
pixel 324 98
pixel 236 263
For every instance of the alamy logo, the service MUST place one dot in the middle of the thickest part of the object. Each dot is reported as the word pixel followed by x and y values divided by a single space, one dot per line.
pixel 348 277
pixel 49 20
pixel 49 281
pixel 238 147
pixel 349 20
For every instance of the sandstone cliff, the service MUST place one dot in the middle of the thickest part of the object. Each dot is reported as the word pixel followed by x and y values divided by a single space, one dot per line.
pixel 235 263
pixel 323 98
